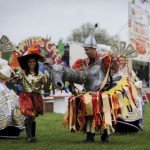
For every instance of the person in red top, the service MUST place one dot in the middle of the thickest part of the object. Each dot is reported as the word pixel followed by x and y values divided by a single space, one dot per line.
pixel 90 48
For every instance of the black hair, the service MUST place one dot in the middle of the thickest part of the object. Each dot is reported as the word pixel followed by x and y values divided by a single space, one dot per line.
pixel 36 69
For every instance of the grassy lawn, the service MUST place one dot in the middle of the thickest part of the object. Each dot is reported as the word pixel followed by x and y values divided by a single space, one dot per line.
pixel 52 136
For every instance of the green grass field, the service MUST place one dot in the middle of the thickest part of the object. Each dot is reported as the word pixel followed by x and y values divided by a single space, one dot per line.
pixel 52 136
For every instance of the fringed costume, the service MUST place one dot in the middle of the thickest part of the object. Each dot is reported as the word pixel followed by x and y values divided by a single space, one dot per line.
pixel 121 102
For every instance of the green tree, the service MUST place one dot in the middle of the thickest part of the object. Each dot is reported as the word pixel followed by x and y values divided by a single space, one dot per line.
pixel 101 35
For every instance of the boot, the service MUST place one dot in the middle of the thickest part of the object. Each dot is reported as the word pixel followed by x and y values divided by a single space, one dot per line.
pixel 33 130
pixel 105 137
pixel 87 137
pixel 28 125
pixel 90 137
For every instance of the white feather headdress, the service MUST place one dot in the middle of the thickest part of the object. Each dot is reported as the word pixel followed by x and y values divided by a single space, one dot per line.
pixel 122 49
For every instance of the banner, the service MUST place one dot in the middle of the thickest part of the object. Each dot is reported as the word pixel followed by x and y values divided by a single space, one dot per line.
pixel 47 47
pixel 139 26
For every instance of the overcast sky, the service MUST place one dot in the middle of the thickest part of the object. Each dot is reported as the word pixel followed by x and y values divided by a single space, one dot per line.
pixel 20 19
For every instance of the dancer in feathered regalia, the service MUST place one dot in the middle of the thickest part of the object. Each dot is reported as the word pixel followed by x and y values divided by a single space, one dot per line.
pixel 123 52
pixel 11 119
